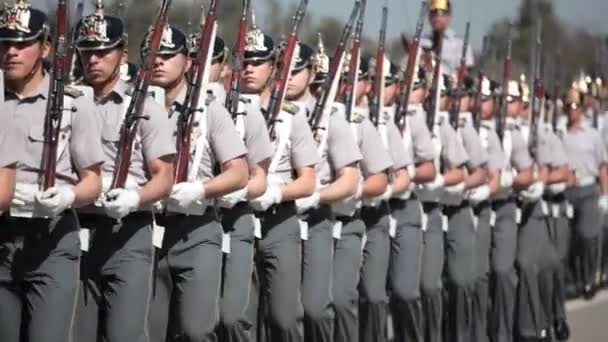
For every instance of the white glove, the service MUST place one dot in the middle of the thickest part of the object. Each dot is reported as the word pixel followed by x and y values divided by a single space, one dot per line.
pixel 457 189
pixel 272 196
pixel 602 203
pixel 21 198
pixel 506 179
pixel 119 203
pixel 534 192
pixel 312 201
pixel 411 171
pixel 479 194
pixel 231 199
pixel 436 184
pixel 387 194
pixel 185 195
pixel 55 200
pixel 557 188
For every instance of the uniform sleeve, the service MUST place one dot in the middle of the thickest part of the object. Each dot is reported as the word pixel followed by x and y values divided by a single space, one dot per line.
pixel 85 141
pixel 453 153
pixel 303 146
pixel 602 152
pixel 478 156
pixel 544 155
pixel 156 133
pixel 223 137
pixel 421 138
pixel 375 159
pixel 10 149
pixel 257 141
pixel 520 156
pixel 496 156
pixel 341 144
pixel 559 157
pixel 400 156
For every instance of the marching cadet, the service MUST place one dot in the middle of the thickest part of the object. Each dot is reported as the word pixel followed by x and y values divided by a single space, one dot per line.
pixel 478 197
pixel 460 237
pixel 237 216
pixel 39 244
pixel 338 179
pixel 516 175
pixel 440 17
pixel 589 163
pixel 350 227
pixel 191 257
pixel 407 242
pixel 120 258
pixel 451 159
pixel 291 175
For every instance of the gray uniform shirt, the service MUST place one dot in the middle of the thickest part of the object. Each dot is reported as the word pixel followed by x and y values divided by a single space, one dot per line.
pixel 491 143
pixel 222 143
pixel 10 147
pixel 375 159
pixel 585 152
pixel 153 139
pixel 254 131
pixel 478 156
pixel 79 144
pixel 451 51
pixel 421 136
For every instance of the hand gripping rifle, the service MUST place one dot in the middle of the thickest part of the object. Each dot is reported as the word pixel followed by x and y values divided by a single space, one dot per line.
pixel 539 92
pixel 323 106
pixel 506 76
pixel 238 55
pixel 462 70
pixel 432 99
pixel 412 62
pixel 283 73
pixel 199 76
pixel 134 113
pixel 353 68
pixel 55 108
pixel 377 99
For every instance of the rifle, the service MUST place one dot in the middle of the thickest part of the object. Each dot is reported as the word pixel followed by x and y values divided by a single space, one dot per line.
pixel 54 107
pixel 283 73
pixel 353 68
pixel 434 93
pixel 377 100
pixel 506 76
pixel 556 90
pixel 322 109
pixel 238 55
pixel 539 92
pixel 199 76
pixel 455 115
pixel 412 62
pixel 129 127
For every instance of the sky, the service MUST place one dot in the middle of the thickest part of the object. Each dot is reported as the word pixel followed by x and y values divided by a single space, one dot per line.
pixel 588 14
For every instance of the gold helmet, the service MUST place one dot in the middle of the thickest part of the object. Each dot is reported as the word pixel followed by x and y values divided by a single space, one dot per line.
pixel 525 89
pixel 439 6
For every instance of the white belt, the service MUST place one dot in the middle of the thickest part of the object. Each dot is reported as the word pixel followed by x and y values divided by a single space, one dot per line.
pixel 403 196
pixel 586 181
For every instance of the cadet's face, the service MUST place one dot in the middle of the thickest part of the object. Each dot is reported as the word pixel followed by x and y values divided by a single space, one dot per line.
pixel 525 111
pixel 444 102
pixel 417 95
pixel 101 66
pixel 465 103
pixel 363 87
pixel 169 68
pixel 440 21
pixel 20 58
pixel 574 115
pixel 298 83
pixel 255 76
pixel 390 94
pixel 513 108
pixel 215 73
pixel 487 109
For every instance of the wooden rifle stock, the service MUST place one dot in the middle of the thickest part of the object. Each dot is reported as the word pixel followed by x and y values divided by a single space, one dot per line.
pixel 353 67
pixel 377 100
pixel 431 101
pixel 462 70
pixel 238 56
pixel 506 76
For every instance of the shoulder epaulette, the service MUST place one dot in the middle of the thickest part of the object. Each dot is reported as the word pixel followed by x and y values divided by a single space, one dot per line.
pixel 72 91
pixel 357 118
pixel 290 108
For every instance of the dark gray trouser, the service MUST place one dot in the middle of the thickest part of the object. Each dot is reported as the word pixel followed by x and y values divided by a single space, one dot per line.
pixel 504 276
pixel 317 262
pixel 115 294
pixel 461 272
pixel 279 266
pixel 39 262
pixel 433 259
pixel 346 268
pixel 587 230
pixel 560 237
pixel 188 279
pixel 373 298
pixel 235 325
pixel 481 296
pixel 405 269
pixel 536 261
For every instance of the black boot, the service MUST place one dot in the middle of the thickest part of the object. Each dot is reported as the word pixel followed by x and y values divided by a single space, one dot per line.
pixel 562 330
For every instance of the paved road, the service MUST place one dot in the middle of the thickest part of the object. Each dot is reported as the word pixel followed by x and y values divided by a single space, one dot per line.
pixel 589 320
